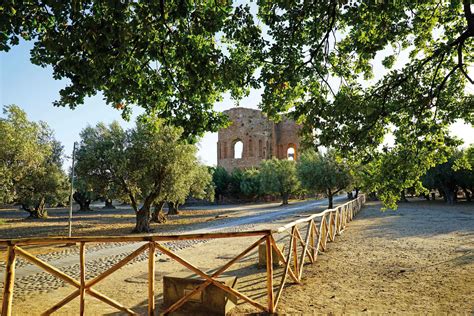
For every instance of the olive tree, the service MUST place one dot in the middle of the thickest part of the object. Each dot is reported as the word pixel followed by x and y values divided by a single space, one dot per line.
pixel 250 183
pixel 323 173
pixel 30 164
pixel 144 164
pixel 279 177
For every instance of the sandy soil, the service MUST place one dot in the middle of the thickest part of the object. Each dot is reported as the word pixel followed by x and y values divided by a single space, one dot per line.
pixel 418 259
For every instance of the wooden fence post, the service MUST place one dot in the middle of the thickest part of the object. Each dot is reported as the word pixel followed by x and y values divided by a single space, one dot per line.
pixel 82 264
pixel 271 299
pixel 9 282
pixel 151 279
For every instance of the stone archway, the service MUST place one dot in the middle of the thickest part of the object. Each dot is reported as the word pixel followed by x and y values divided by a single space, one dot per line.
pixel 291 153
pixel 237 149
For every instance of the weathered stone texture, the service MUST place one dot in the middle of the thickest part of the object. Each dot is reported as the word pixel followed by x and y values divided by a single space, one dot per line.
pixel 261 138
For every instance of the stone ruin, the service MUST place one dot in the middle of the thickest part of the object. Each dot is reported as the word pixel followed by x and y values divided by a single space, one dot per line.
pixel 252 137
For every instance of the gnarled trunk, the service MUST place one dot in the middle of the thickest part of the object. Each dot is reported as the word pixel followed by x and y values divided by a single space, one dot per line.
pixel 83 201
pixel 173 208
pixel 142 220
pixel 108 204
pixel 284 198
pixel 39 211
pixel 158 216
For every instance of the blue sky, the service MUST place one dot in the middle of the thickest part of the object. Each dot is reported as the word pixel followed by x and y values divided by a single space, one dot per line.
pixel 33 89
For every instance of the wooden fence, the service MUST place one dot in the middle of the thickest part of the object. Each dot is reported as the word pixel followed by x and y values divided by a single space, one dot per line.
pixel 320 228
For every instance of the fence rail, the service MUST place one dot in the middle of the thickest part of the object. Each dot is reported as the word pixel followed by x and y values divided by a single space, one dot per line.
pixel 320 228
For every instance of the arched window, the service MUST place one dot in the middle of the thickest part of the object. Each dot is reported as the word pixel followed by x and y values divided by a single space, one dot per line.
pixel 250 148
pixel 238 149
pixel 291 153
pixel 260 148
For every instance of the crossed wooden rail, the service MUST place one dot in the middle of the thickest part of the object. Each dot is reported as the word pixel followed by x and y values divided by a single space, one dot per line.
pixel 331 223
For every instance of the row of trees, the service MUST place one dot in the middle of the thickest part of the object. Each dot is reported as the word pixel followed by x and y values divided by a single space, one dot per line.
pixel 315 172
pixel 145 166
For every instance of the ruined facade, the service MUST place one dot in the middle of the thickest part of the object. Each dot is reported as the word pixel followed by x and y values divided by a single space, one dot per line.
pixel 252 137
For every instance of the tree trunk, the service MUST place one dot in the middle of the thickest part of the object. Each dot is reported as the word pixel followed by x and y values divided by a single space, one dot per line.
pixel 142 220
pixel 284 199
pixel 173 208
pixel 158 216
pixel 433 196
pixel 450 198
pixel 39 211
pixel 84 206
pixel 83 201
pixel 356 193
pixel 403 197
pixel 108 204
pixel 330 200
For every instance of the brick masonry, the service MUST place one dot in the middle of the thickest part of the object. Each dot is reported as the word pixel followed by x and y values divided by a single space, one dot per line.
pixel 261 139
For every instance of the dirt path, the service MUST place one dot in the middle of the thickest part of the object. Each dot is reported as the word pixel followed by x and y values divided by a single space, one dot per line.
pixel 419 259
pixel 416 260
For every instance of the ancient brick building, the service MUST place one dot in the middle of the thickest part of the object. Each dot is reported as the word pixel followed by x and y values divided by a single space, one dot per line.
pixel 252 137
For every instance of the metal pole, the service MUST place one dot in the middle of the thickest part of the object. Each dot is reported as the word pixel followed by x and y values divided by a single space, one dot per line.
pixel 72 190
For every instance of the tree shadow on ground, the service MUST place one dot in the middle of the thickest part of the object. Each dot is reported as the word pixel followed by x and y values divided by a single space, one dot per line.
pixel 417 218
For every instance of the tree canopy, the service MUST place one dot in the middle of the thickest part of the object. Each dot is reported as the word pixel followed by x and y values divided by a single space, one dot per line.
pixel 147 165
pixel 279 177
pixel 176 59
pixel 323 173
pixel 172 58
pixel 30 163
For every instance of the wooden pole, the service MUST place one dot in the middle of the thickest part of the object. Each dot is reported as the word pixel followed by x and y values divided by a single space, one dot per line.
pixel 302 243
pixel 151 279
pixel 311 240
pixel 82 263
pixel 316 244
pixel 269 274
pixel 9 282
pixel 285 273
pixel 295 253
pixel 72 192
pixel 285 261
pixel 303 254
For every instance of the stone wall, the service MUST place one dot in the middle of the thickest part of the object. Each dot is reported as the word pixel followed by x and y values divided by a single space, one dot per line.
pixel 261 139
